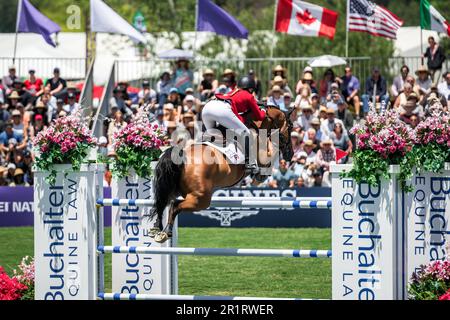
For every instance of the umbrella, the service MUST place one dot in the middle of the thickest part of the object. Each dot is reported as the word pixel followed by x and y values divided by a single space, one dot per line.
pixel 326 61
pixel 175 54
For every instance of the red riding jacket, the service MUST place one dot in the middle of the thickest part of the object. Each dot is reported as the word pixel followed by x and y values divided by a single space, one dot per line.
pixel 241 102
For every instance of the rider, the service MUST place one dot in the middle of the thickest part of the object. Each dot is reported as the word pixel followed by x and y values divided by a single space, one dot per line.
pixel 227 109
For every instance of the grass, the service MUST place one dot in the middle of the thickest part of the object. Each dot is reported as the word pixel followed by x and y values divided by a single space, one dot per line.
pixel 236 276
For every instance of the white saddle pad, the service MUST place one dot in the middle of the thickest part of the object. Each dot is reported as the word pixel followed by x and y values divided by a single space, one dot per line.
pixel 233 154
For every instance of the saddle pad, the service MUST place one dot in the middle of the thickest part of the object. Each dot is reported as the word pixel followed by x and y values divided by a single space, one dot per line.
pixel 233 154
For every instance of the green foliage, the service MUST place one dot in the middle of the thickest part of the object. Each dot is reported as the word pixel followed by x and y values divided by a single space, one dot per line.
pixel 139 160
pixel 430 157
pixel 368 167
pixel 430 289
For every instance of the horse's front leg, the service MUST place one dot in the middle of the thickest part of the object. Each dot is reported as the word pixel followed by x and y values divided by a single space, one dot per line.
pixel 192 202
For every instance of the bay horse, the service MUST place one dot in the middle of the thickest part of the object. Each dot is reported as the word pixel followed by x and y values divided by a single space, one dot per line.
pixel 195 181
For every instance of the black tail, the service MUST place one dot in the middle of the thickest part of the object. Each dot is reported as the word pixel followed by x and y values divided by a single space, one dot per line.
pixel 166 180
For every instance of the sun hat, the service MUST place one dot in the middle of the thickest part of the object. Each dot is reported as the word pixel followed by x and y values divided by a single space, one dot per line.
pixel 276 88
pixel 307 76
pixel 16 113
pixel 173 90
pixel 228 71
pixel 208 72
pixel 315 121
pixel 295 134
pixel 14 95
pixel 11 166
pixel 310 143
pixel 330 111
pixel 190 97
pixel 18 172
pixel 279 68
pixel 422 69
pixel 102 140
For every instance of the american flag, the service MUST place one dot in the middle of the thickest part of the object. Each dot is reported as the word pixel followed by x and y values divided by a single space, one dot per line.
pixel 366 16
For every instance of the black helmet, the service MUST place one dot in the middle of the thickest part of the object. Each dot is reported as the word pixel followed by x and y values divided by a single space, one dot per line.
pixel 247 83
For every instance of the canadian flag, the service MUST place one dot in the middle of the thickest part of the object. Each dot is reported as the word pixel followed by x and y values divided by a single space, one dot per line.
pixel 305 19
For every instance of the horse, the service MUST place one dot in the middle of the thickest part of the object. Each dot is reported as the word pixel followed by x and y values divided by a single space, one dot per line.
pixel 194 179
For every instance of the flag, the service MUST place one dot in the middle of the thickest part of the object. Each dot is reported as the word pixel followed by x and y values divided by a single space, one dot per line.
pixel 305 19
pixel 105 19
pixel 30 20
pixel 431 19
pixel 214 19
pixel 139 22
pixel 366 16
pixel 340 154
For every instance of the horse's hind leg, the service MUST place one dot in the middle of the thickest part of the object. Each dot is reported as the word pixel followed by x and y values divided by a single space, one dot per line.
pixel 192 202
pixel 157 227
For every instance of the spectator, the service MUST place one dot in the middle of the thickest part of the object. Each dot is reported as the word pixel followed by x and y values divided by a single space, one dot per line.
pixel 300 183
pixel 187 118
pixel 315 104
pixel 118 101
pixel 304 98
pixel 307 115
pixel 24 96
pixel 328 125
pixel 444 88
pixel 403 97
pixel 276 98
pixel 311 134
pixel 183 77
pixel 190 92
pixel 14 99
pixel 57 85
pixel 160 122
pixel 279 81
pixel 335 100
pixel 34 85
pixel 399 82
pixel 3 173
pixel 296 143
pixel 147 94
pixel 409 110
pixel 315 124
pixel 435 58
pixel 307 78
pixel 344 115
pixel 322 113
pixel 279 71
pixel 10 134
pixel 19 179
pixel 8 80
pixel 72 107
pixel 4 116
pixel 325 157
pixel 170 114
pixel 258 89
pixel 10 173
pixel 208 85
pixel 284 177
pixel 375 88
pixel 350 88
pixel 309 147
pixel 231 81
pixel 431 96
pixel 72 88
pixel 18 125
pixel 325 84
pixel 288 101
pixel 341 141
pixel 115 126
pixel 163 87
pixel 174 98
pixel 102 147
pixel 36 126
pixel 299 163
pixel 423 80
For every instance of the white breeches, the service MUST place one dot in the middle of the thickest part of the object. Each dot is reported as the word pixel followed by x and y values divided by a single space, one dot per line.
pixel 220 112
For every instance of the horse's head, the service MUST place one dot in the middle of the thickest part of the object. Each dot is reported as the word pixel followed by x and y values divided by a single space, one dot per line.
pixel 275 123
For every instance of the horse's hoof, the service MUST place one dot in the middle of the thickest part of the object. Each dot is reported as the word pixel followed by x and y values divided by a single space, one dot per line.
pixel 161 237
pixel 153 232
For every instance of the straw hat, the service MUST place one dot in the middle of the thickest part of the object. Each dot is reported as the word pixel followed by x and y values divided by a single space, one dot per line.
pixel 330 111
pixel 40 104
pixel 307 76
pixel 208 72
pixel 315 121
pixel 279 68
pixel 422 69
pixel 326 141
pixel 323 109
pixel 188 115
pixel 14 95
pixel 18 172
pixel 228 71
pixel 276 88
pixel 307 106
pixel 412 95
pixel 310 143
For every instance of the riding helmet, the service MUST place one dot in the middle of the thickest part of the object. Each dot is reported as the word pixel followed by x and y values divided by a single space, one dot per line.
pixel 247 83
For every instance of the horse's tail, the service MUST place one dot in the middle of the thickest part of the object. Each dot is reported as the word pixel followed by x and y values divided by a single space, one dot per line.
pixel 166 180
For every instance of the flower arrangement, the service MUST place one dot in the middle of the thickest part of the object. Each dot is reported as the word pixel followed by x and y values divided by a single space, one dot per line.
pixel 431 282
pixel 383 140
pixel 432 145
pixel 66 141
pixel 21 285
pixel 137 146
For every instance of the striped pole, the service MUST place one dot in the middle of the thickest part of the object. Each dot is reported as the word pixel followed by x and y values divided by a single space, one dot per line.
pixel 126 296
pixel 219 252
pixel 281 203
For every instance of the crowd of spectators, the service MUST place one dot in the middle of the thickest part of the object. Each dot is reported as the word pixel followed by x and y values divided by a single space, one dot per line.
pixel 321 107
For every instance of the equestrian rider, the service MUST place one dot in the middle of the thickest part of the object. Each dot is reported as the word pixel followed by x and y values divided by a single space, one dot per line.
pixel 227 110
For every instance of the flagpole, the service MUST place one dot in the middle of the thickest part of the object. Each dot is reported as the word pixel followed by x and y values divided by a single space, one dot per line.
pixel 19 9
pixel 272 47
pixel 196 32
pixel 346 31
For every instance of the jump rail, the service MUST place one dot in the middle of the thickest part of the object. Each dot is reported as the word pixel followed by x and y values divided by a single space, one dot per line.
pixel 219 252
pixel 279 202
pixel 126 296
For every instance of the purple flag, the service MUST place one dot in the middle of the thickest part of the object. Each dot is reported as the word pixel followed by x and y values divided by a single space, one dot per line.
pixel 30 20
pixel 213 18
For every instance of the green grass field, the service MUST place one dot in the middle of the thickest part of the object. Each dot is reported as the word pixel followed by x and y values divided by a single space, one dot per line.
pixel 236 276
